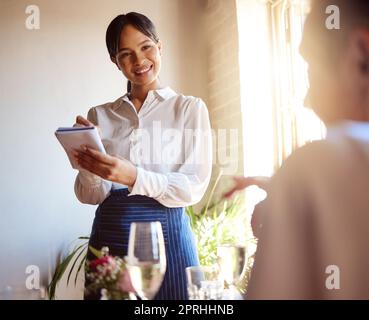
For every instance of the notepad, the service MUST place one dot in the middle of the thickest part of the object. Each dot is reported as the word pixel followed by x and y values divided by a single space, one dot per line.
pixel 71 138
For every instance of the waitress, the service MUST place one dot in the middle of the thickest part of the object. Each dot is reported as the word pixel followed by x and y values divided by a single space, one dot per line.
pixel 159 154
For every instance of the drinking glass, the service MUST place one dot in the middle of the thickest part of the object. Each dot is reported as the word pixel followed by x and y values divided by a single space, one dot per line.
pixel 204 283
pixel 146 260
pixel 232 264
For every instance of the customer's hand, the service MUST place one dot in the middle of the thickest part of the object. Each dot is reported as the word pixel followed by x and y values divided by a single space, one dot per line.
pixel 259 210
pixel 83 122
pixel 112 168
pixel 241 183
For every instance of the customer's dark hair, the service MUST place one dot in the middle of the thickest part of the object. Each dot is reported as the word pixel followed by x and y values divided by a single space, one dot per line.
pixel 353 14
pixel 138 21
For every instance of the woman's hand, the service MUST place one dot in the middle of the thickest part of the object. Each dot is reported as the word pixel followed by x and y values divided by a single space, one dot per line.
pixel 244 182
pixel 83 122
pixel 112 168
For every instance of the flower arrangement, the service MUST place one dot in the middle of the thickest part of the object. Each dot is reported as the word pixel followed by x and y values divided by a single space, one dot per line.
pixel 108 277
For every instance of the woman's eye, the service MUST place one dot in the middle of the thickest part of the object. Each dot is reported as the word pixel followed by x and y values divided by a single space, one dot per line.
pixel 123 55
pixel 146 47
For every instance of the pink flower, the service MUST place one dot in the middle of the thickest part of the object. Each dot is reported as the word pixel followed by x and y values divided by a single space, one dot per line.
pixel 99 262
pixel 124 282
pixel 109 277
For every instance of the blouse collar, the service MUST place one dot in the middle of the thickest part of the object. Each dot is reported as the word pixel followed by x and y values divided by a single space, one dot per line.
pixel 163 93
pixel 354 129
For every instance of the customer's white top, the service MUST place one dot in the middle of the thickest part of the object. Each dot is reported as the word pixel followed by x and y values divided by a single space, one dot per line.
pixel 169 140
pixel 314 240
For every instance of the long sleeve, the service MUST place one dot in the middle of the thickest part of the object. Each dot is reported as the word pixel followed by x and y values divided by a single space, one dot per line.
pixel 89 188
pixel 257 218
pixel 313 243
pixel 187 185
pixel 284 263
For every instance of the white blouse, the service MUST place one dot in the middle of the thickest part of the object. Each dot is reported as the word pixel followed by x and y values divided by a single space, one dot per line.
pixel 169 140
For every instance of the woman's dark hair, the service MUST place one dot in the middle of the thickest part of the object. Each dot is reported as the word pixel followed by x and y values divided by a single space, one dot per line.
pixel 138 21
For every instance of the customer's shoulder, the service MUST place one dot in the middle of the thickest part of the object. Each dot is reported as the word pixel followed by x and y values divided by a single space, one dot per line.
pixel 305 167
pixel 324 150
pixel 312 150
pixel 320 157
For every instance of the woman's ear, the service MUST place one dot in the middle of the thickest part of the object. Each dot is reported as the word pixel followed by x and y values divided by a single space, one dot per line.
pixel 359 53
pixel 363 50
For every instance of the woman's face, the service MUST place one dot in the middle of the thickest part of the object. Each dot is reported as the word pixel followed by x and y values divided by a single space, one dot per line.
pixel 138 57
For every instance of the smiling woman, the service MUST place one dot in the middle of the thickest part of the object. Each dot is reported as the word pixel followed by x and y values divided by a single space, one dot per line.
pixel 128 189
pixel 122 46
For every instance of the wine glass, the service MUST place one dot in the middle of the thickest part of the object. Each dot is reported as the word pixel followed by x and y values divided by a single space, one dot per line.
pixel 204 283
pixel 232 264
pixel 146 260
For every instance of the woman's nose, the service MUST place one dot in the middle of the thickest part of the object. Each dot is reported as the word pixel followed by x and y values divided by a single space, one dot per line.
pixel 139 59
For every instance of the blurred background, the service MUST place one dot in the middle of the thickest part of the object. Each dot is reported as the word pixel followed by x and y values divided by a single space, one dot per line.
pixel 240 56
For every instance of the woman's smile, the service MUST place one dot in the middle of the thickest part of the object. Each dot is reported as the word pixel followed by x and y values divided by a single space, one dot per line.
pixel 139 72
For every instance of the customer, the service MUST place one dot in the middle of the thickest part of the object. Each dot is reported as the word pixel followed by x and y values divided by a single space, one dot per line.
pixel 314 235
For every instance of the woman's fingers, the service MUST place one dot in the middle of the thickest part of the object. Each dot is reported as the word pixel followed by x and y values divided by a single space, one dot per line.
pixel 99 156
pixel 90 164
pixel 95 161
pixel 105 166
pixel 82 121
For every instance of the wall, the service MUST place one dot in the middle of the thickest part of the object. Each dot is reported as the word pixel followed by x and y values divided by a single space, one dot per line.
pixel 47 77
pixel 239 91
pixel 224 88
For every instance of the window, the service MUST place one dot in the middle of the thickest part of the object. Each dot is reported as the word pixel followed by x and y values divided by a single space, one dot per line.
pixel 294 125
pixel 273 85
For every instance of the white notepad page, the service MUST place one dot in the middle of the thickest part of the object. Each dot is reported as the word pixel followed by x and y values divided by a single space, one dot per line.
pixel 71 138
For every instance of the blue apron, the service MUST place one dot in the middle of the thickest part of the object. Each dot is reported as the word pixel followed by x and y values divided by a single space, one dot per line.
pixel 111 228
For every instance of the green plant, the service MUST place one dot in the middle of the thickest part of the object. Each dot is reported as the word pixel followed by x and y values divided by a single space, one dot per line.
pixel 214 227
pixel 223 222
pixel 72 258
